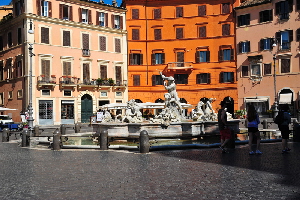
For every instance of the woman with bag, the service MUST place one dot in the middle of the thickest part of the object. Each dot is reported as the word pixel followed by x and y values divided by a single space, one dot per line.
pixel 253 121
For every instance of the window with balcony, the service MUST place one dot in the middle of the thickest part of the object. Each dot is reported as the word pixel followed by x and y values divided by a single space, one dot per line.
pixel 85 44
pixel 44 35
pixel 202 10
pixel 9 39
pixel 285 64
pixel 19 35
pixel 266 16
pixel 157 80
pixel 157 34
pixel 65 12
pixel 136 80
pixel 66 38
pixel 136 59
pixel 226 77
pixel 102 19
pixel 102 40
pixel 179 12
pixel 226 55
pixel 225 8
pixel 86 73
pixel 203 78
pixel 45 70
pixel 266 44
pixel 226 29
pixel 117 45
pixel 135 13
pixel 202 32
pixel 67 68
pixel 157 13
pixel 179 33
pixel 202 56
pixel 245 71
pixel 135 34
pixel 244 47
pixel 103 71
pixel 158 58
pixel 267 69
pixel 181 78
pixel 118 70
pixel 244 20
pixel 284 39
pixel 180 59
pixel 283 8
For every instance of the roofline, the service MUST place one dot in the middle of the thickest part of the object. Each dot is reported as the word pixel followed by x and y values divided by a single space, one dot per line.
pixel 252 5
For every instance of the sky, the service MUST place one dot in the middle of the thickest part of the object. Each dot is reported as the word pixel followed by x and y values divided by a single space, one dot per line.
pixel 6 2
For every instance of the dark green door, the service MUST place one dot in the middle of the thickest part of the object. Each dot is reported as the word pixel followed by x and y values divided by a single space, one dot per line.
pixel 86 108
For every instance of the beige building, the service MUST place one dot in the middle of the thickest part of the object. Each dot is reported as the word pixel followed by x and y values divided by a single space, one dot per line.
pixel 79 59
pixel 267 37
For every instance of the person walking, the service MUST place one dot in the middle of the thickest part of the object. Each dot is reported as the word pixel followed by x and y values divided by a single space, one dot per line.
pixel 284 127
pixel 224 130
pixel 253 121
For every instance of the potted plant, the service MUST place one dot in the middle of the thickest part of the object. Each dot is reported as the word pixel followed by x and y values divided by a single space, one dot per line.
pixel 110 81
pixel 240 114
pixel 99 81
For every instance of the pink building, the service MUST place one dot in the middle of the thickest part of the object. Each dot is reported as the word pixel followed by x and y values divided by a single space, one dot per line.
pixel 267 37
pixel 79 61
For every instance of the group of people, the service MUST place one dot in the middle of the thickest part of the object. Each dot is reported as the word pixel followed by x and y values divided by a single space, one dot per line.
pixel 253 132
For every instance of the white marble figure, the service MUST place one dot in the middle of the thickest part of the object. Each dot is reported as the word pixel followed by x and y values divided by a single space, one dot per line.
pixel 107 117
pixel 206 114
pixel 197 113
pixel 133 113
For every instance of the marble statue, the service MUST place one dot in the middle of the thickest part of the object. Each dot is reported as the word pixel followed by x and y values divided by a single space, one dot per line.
pixel 204 111
pixel 107 117
pixel 132 113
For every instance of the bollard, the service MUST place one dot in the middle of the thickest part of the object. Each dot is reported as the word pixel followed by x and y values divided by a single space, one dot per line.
pixel 104 140
pixel 144 142
pixel 77 128
pixel 56 140
pixel 36 130
pixel 265 124
pixel 63 129
pixel 5 135
pixel 246 123
pixel 25 138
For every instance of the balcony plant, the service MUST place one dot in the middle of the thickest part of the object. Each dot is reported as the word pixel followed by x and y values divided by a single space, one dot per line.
pixel 240 114
pixel 110 81
pixel 99 81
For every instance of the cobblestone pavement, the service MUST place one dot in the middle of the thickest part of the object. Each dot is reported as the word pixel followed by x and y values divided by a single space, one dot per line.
pixel 170 174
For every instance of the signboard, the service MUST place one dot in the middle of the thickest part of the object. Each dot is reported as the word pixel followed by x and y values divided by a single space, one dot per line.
pixel 99 116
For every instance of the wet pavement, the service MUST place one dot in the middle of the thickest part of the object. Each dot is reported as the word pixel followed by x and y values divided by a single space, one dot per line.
pixel 203 173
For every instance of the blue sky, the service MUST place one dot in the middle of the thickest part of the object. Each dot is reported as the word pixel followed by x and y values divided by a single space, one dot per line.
pixel 6 2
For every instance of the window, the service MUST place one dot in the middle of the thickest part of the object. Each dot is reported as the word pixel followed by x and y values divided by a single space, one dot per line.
pixel 284 38
pixel 202 31
pixel 158 58
pixel 67 93
pixel 203 78
pixel 67 109
pixel 65 12
pixel 135 14
pixel 86 73
pixel 136 80
pixel 9 39
pixel 225 8
pixel 179 12
pixel 103 94
pixel 244 20
pixel 297 34
pixel 45 69
pixel 181 78
pixel 135 34
pixel 45 8
pixel 117 45
pixel 102 19
pixel 180 59
pixel 136 59
pixel 1 71
pixel 245 71
pixel 244 47
pixel 285 65
pixel 202 10
pixel 102 40
pixel 85 44
pixel 45 35
pixel 265 16
pixel 255 70
pixel 117 21
pixel 10 95
pixel 225 29
pixel 157 80
pixel 202 56
pixel 298 4
pixel 19 36
pixel 157 34
pixel 267 69
pixel 226 77
pixel 179 33
pixel 226 54
pixel 67 68
pixel 118 70
pixel 119 94
pixel 283 8
pixel 157 13
pixel 85 16
pixel 1 99
pixel 46 92
pixel 103 71
pixel 66 38
pixel 19 71
pixel 20 93
pixel 266 44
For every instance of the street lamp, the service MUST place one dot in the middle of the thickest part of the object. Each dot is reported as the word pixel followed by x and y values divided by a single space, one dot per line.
pixel 275 91
pixel 30 109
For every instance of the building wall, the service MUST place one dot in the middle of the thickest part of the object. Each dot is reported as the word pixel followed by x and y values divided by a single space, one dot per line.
pixel 189 44
pixel 256 31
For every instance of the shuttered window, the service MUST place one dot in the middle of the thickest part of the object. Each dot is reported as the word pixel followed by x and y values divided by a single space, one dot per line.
pixel 85 41
pixel 135 34
pixel 285 65
pixel 86 71
pixel 102 43
pixel 202 31
pixel 19 35
pixel 179 11
pixel 202 10
pixel 225 29
pixel 136 80
pixel 103 71
pixel 117 45
pixel 66 38
pixel 179 33
pixel 157 13
pixel 45 35
pixel 245 71
pixel 203 78
pixel 225 8
pixel 118 75
pixel 66 68
pixel 45 68
pixel 267 69
pixel 265 16
pixel 135 14
pixel 157 34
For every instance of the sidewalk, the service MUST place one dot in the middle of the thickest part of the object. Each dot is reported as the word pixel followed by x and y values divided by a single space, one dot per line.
pixel 170 174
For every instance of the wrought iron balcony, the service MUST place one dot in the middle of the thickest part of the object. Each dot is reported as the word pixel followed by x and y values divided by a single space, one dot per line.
pixel 86 52
pixel 68 81
pixel 180 65
pixel 46 81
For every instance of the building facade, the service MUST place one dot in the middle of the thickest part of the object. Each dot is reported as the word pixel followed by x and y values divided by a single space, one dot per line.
pixel 79 59
pixel 268 35
pixel 192 41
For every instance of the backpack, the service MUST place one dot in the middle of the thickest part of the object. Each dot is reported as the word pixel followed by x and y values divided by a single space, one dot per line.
pixel 279 118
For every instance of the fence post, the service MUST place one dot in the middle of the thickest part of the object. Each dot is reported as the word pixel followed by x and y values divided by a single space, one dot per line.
pixel 104 140
pixel 5 135
pixel 63 129
pixel 144 142
pixel 77 128
pixel 36 130
pixel 265 124
pixel 25 142
pixel 56 140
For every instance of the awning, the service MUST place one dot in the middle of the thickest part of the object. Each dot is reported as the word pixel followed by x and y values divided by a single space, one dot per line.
pixel 247 100
pixel 285 98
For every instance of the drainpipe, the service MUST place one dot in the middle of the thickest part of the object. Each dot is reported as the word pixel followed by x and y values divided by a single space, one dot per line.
pixel 146 43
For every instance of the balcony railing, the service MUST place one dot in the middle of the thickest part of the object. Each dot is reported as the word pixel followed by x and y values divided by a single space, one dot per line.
pixel 180 65
pixel 285 46
pixel 68 80
pixel 86 52
pixel 44 81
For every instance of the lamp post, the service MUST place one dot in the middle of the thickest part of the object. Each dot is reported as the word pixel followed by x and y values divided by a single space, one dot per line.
pixel 275 92
pixel 30 109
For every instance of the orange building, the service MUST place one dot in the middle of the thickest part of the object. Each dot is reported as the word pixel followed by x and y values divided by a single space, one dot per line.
pixel 193 41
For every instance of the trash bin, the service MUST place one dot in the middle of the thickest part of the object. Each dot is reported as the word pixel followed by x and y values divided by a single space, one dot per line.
pixel 296 133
